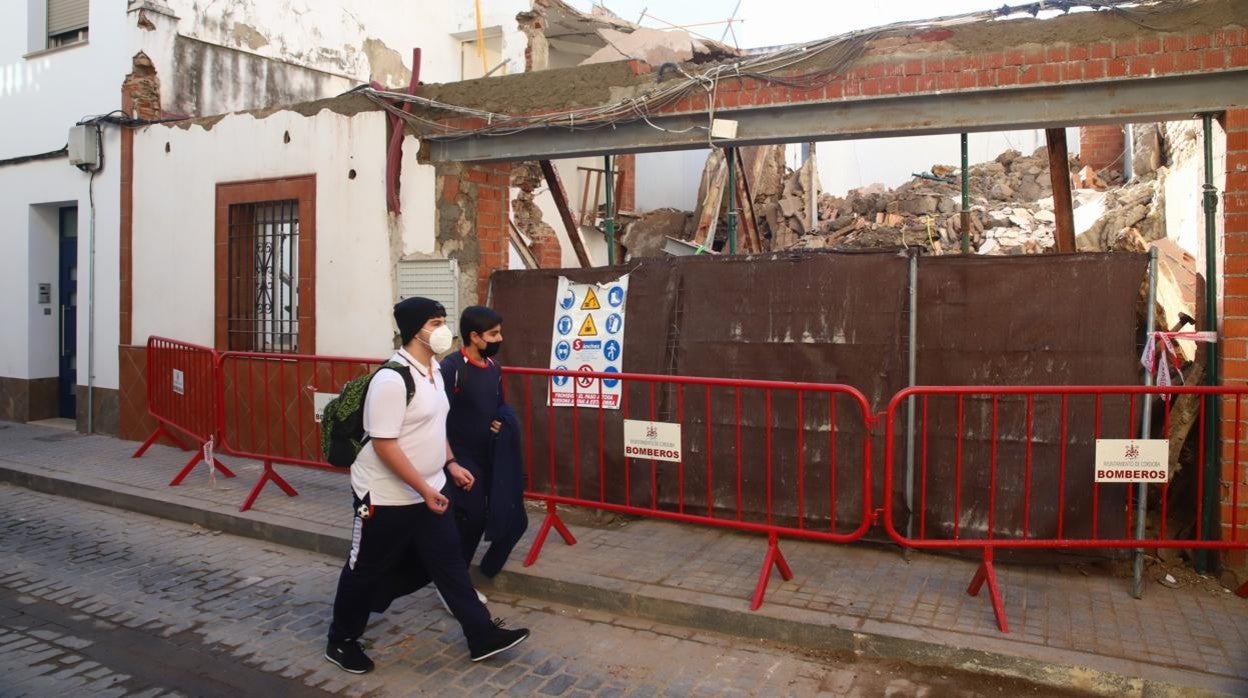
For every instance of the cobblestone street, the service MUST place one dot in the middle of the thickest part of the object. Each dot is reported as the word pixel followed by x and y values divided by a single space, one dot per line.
pixel 95 601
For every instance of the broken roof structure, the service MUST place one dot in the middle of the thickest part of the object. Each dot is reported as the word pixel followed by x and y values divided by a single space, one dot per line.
pixel 981 71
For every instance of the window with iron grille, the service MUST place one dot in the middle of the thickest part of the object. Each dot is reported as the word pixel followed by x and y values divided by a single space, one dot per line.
pixel 263 239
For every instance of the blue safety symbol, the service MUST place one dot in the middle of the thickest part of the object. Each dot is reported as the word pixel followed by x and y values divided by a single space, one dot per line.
pixel 614 322
pixel 560 381
pixel 563 350
pixel 568 300
pixel 564 325
pixel 616 296
pixel 610 382
pixel 612 350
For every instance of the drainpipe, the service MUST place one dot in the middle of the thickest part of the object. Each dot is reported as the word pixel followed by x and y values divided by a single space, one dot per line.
pixel 732 200
pixel 91 304
pixel 608 220
pixel 1213 465
pixel 966 198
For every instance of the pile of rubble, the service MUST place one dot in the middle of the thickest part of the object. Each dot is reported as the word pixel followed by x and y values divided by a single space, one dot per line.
pixel 1011 209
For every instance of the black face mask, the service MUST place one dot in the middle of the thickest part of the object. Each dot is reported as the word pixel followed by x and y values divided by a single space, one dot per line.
pixel 491 348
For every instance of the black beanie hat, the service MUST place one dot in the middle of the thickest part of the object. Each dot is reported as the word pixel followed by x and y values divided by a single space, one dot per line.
pixel 411 314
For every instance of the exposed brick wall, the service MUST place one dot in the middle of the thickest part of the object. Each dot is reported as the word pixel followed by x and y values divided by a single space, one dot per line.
pixel 626 166
pixel 548 251
pixel 493 213
pixel 1101 146
pixel 1235 329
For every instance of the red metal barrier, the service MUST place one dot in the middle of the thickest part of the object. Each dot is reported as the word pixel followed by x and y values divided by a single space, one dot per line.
pixel 181 397
pixel 1021 462
pixel 267 409
pixel 755 456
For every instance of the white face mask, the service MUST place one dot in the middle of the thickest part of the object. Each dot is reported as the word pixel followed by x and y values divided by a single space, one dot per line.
pixel 441 340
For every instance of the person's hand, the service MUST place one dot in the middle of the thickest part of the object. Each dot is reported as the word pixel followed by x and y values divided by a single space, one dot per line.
pixel 437 502
pixel 495 426
pixel 461 476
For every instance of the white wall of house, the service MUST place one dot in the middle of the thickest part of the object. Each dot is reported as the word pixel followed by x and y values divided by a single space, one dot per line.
pixel 356 39
pixel 356 239
pixel 210 58
pixel 42 94
pixel 48 91
pixel 669 180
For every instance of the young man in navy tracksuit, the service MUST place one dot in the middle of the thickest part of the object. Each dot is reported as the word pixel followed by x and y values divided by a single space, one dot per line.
pixel 474 386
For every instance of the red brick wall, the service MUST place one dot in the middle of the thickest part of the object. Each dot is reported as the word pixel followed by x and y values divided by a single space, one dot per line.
pixel 1101 146
pixel 1235 328
pixel 626 166
pixel 548 251
pixel 493 184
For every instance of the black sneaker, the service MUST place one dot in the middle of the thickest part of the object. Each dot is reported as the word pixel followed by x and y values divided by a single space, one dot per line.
pixel 349 656
pixel 497 639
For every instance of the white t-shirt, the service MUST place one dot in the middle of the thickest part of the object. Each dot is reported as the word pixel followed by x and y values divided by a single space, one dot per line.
pixel 420 427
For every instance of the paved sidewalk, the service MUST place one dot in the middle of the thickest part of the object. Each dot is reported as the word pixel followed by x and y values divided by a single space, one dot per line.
pixel 100 602
pixel 858 598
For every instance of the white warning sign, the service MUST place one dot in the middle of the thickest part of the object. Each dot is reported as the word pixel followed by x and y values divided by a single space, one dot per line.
pixel 588 337
pixel 1132 460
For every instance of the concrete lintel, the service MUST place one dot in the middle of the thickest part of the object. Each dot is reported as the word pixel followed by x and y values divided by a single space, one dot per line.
pixel 997 109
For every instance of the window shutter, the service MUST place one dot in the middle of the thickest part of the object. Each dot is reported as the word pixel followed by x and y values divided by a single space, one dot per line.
pixel 66 16
pixel 432 278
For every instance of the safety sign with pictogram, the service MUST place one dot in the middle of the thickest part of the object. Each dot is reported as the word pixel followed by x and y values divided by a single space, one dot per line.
pixel 588 337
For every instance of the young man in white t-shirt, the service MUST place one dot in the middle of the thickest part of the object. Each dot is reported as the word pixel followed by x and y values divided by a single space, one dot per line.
pixel 402 536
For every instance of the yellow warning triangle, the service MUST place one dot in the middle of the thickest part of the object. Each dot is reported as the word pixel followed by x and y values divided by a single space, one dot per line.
pixel 591 301
pixel 587 328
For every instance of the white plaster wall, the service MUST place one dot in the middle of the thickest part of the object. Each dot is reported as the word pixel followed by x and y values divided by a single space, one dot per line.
pixel 28 256
pixel 574 184
pixel 1184 183
pixel 669 180
pixel 49 92
pixel 174 200
pixel 332 34
pixel 416 202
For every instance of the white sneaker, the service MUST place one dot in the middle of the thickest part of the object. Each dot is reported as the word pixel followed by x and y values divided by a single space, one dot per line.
pixel 480 597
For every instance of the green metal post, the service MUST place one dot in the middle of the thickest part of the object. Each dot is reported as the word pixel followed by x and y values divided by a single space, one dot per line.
pixel 966 199
pixel 1213 406
pixel 608 220
pixel 732 200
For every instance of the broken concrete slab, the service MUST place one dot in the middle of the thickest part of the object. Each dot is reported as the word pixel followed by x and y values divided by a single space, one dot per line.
pixel 647 236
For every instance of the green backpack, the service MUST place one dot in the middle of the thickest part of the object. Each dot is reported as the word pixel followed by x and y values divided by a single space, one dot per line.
pixel 342 422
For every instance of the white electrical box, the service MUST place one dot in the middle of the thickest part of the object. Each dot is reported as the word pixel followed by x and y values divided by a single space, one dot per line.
pixel 723 128
pixel 84 150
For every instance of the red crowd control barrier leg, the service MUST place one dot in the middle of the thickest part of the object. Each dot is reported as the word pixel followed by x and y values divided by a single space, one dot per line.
pixel 552 519
pixel 195 460
pixel 988 574
pixel 160 431
pixel 1242 591
pixel 269 475
pixel 773 557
